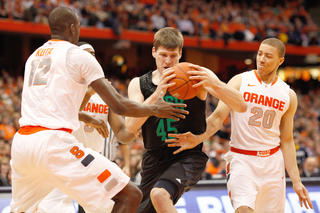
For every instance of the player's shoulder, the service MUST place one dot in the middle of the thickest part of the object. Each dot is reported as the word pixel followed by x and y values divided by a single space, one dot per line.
pixel 134 82
pixel 237 77
pixel 292 94
pixel 241 75
pixel 81 56
pixel 236 80
pixel 76 50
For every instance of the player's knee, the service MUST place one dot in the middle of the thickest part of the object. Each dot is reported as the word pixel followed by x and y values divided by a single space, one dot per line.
pixel 130 193
pixel 244 209
pixel 159 194
pixel 133 192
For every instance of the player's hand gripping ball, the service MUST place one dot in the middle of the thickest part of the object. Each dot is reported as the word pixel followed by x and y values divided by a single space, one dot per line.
pixel 183 88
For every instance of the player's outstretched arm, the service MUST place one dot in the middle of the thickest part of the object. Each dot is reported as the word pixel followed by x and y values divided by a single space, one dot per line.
pixel 289 152
pixel 126 107
pixel 135 94
pixel 188 140
pixel 228 93
pixel 125 151
pixel 120 131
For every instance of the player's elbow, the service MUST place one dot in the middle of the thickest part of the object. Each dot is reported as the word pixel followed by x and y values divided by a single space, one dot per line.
pixel 130 126
pixel 127 139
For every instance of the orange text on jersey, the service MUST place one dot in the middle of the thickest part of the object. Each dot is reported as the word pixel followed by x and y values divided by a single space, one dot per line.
pixel 264 100
pixel 96 108
pixel 44 52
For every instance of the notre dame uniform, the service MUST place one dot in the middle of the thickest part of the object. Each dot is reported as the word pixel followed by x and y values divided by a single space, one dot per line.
pixel 160 167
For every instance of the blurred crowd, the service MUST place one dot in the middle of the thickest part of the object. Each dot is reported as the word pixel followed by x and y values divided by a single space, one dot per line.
pixel 288 20
pixel 306 132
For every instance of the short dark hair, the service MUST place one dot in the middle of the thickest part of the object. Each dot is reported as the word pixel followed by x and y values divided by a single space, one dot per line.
pixel 169 38
pixel 274 42
pixel 60 18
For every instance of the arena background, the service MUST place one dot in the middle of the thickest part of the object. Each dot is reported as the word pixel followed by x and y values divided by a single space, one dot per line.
pixel 127 54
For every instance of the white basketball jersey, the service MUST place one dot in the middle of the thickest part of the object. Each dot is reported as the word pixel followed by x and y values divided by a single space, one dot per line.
pixel 110 145
pixel 51 97
pixel 88 135
pixel 258 127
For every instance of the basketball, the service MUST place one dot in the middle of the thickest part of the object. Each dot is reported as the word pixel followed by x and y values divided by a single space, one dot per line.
pixel 183 88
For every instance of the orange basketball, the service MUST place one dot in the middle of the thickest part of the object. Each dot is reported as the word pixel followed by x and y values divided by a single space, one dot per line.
pixel 183 88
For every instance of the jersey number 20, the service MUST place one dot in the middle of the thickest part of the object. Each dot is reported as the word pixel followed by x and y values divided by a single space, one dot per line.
pixel 267 117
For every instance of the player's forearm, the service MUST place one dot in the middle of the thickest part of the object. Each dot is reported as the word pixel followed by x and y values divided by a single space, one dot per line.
pixel 290 161
pixel 229 95
pixel 84 117
pixel 126 107
pixel 125 155
pixel 214 123
pixel 133 123
pixel 119 104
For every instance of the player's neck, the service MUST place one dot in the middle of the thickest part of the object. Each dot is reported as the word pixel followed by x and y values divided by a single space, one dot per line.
pixel 156 76
pixel 268 78
pixel 60 37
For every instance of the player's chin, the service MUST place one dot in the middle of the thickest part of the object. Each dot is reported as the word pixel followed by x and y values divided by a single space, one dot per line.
pixel 261 68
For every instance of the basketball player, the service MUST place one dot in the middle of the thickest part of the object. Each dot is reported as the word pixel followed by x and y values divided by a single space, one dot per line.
pixel 261 143
pixel 44 153
pixel 116 127
pixel 165 177
pixel 106 143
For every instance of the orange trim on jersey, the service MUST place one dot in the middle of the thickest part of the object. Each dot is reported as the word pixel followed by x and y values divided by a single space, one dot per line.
pixel 56 40
pixel 255 72
pixel 274 81
pixel 259 79
pixel 28 130
pixel 264 153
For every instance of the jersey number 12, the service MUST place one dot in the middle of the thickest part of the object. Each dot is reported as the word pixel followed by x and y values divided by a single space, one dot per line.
pixel 44 65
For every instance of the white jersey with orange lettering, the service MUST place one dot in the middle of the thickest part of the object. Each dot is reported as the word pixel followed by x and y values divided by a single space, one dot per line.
pixel 258 127
pixel 49 80
pixel 45 156
pixel 255 165
pixel 110 145
pixel 88 135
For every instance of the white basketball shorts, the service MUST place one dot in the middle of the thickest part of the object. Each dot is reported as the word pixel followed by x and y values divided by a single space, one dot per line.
pixel 52 159
pixel 256 182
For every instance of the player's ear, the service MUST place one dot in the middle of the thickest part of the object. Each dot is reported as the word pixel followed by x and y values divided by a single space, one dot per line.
pixel 180 53
pixel 154 52
pixel 72 29
pixel 281 60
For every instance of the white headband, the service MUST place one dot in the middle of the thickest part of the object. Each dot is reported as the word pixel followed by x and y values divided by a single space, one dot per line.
pixel 86 46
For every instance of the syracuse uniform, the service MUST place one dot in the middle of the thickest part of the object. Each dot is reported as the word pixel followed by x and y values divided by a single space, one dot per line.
pixel 255 164
pixel 44 153
pixel 57 201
